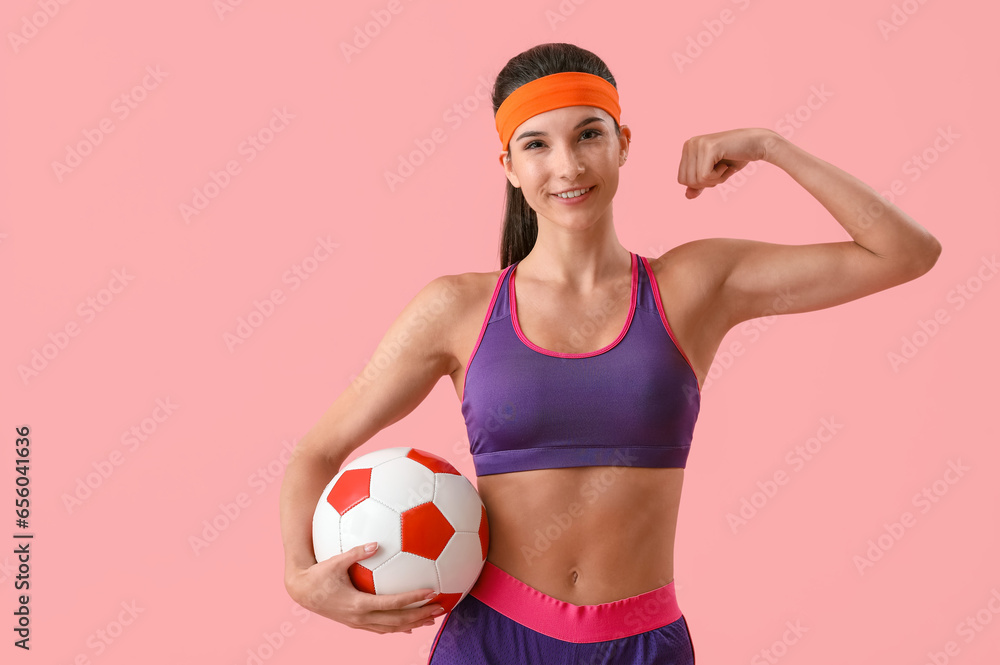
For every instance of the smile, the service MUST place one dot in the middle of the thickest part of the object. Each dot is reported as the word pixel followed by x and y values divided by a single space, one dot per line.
pixel 576 193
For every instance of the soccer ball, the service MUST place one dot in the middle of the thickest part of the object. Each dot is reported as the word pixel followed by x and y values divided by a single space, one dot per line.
pixel 427 518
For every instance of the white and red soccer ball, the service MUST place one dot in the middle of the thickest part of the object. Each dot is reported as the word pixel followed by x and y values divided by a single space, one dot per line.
pixel 427 518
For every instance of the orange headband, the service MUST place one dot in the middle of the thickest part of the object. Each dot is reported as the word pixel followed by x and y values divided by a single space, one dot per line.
pixel 555 91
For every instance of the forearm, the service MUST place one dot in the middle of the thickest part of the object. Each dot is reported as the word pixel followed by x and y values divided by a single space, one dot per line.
pixel 305 478
pixel 872 221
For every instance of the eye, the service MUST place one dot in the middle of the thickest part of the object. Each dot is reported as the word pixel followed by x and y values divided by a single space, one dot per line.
pixel 596 132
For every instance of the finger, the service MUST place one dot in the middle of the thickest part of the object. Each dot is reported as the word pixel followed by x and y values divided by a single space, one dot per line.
pixel 390 609
pixel 398 601
pixel 686 170
pixel 682 167
pixel 404 617
pixel 719 171
pixel 691 176
pixel 382 628
pixel 734 168
pixel 353 555
pixel 711 167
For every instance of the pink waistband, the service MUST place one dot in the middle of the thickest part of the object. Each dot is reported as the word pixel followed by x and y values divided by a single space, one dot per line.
pixel 575 623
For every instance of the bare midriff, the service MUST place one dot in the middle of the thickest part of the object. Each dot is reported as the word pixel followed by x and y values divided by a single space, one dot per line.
pixel 584 535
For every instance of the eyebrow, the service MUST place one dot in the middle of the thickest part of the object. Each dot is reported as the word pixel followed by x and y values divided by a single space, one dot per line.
pixel 586 121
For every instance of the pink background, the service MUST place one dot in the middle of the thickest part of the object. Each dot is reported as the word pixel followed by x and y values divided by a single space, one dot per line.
pixel 162 336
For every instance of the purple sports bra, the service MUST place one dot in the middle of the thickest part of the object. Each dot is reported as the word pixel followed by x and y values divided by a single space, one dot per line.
pixel 633 403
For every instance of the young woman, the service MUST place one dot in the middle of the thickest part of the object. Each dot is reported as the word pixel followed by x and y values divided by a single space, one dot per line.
pixel 579 368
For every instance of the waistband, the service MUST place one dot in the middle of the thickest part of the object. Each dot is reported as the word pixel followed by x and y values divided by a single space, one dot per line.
pixel 575 623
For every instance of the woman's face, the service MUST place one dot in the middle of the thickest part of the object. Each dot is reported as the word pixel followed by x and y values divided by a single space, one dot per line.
pixel 567 149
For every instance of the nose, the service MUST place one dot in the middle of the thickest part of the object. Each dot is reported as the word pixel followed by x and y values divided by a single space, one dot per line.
pixel 567 163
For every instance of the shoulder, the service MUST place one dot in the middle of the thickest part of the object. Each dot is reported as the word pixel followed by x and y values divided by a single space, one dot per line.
pixel 452 308
pixel 460 290
pixel 699 266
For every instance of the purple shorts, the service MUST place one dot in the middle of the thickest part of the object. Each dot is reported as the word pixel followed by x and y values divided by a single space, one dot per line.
pixel 503 620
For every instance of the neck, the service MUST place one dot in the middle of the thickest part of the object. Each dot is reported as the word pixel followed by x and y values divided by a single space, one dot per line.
pixel 576 259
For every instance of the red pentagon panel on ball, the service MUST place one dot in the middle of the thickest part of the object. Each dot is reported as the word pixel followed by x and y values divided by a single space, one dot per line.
pixel 484 533
pixel 350 490
pixel 447 600
pixel 426 531
pixel 362 578
pixel 432 462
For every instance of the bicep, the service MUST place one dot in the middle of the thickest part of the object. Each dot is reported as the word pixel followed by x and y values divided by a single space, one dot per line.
pixel 409 360
pixel 760 278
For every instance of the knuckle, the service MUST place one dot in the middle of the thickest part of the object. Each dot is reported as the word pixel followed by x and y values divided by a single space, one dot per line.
pixel 355 607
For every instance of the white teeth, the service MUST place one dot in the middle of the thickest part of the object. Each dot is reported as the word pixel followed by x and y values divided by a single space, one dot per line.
pixel 574 193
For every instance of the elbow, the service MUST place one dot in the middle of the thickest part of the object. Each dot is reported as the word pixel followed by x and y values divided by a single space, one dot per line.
pixel 930 255
pixel 923 260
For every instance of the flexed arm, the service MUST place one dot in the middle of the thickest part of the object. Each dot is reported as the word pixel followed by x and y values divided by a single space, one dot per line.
pixel 888 246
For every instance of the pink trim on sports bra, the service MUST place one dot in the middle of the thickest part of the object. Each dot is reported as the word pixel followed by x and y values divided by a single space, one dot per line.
pixel 482 331
pixel 663 317
pixel 517 326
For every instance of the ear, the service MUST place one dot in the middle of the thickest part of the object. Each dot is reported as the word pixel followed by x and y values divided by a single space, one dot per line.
pixel 509 169
pixel 623 141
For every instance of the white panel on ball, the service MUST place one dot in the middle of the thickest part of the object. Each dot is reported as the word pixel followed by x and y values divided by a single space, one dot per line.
pixel 402 483
pixel 460 563
pixel 371 521
pixel 369 460
pixel 326 531
pixel 458 501
pixel 405 572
